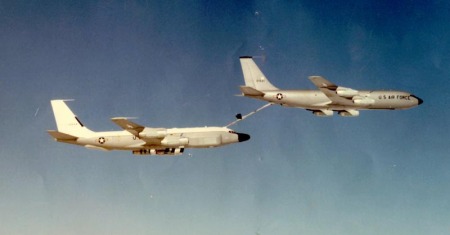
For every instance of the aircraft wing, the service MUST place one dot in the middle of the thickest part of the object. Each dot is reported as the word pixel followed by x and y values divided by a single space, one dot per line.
pixel 329 89
pixel 128 125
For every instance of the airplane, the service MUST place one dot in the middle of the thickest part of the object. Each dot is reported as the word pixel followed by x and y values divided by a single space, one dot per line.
pixel 140 140
pixel 323 102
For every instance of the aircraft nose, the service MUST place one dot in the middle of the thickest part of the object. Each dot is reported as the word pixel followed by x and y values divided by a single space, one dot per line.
pixel 419 100
pixel 243 137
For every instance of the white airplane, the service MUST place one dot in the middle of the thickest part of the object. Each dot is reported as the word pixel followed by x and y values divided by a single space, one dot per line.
pixel 139 139
pixel 330 97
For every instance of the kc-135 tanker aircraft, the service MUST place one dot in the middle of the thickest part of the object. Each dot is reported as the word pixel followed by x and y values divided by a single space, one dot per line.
pixel 139 139
pixel 330 97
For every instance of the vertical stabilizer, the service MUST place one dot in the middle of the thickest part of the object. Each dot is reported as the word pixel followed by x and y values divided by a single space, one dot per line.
pixel 253 76
pixel 66 121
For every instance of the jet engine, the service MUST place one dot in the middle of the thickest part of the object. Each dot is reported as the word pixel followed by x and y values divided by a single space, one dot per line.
pixel 346 92
pixel 349 113
pixel 323 113
pixel 153 133
pixel 363 100
pixel 174 141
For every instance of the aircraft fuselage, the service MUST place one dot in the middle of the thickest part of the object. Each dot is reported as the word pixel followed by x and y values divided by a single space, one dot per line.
pixel 198 137
pixel 315 99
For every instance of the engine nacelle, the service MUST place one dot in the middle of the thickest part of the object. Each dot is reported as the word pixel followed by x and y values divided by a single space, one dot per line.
pixel 174 141
pixel 349 113
pixel 166 151
pixel 346 92
pixel 323 113
pixel 153 133
pixel 363 101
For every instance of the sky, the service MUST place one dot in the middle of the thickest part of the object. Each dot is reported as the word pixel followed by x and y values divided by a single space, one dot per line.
pixel 176 64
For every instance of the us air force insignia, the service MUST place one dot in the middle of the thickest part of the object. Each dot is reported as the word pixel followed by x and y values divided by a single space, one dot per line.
pixel 101 140
pixel 279 96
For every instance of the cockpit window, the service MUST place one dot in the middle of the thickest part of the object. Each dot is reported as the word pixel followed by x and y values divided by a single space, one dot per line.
pixel 232 132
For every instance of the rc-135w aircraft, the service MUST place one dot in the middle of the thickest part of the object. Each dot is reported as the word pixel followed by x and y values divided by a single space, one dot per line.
pixel 330 97
pixel 139 139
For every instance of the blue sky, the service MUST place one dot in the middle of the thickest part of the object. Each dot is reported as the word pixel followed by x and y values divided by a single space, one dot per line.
pixel 176 64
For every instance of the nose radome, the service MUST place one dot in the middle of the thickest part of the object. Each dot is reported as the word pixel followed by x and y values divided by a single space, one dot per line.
pixel 243 137
pixel 419 100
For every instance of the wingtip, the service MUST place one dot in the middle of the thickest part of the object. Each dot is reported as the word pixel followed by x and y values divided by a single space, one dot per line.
pixel 314 77
pixel 63 100
pixel 246 57
pixel 121 118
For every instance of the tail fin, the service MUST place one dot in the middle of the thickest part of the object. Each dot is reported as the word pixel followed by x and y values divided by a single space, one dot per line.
pixel 66 121
pixel 253 76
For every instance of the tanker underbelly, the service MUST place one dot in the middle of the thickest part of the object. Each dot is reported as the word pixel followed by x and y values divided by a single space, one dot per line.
pixel 309 99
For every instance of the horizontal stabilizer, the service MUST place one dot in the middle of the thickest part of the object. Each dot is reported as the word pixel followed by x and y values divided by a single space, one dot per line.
pixel 61 136
pixel 250 91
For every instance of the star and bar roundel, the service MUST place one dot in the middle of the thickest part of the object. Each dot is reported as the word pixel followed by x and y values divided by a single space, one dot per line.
pixel 279 96
pixel 101 140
